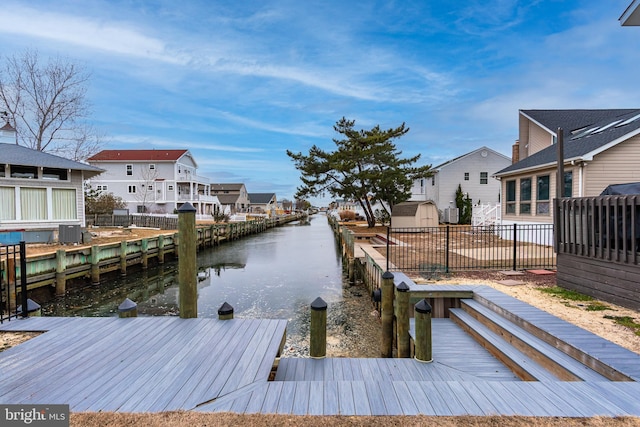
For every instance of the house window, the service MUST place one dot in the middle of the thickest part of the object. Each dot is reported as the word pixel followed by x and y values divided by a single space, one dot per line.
pixel 433 180
pixel 141 209
pixel 129 170
pixel 525 196
pixel 466 176
pixel 132 189
pixel 542 195
pixel 568 184
pixel 152 167
pixel 8 205
pixel 54 174
pixel 511 197
pixel 101 187
pixel 170 188
pixel 150 187
pixel 33 203
pixel 25 172
pixel 484 177
pixel 2 171
pixel 64 203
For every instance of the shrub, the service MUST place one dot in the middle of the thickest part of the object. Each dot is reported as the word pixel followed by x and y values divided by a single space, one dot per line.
pixel 347 215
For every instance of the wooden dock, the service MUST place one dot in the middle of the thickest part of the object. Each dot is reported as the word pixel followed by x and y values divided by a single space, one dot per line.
pixel 166 363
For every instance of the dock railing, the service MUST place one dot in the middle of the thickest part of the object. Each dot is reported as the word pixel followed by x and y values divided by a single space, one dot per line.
pixel 13 281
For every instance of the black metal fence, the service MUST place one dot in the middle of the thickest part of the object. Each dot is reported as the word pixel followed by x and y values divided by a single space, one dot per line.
pixel 432 250
pixel 13 287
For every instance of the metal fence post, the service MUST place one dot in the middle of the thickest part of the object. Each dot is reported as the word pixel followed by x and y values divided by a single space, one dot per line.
pixel 388 235
pixel 446 251
pixel 23 278
pixel 515 245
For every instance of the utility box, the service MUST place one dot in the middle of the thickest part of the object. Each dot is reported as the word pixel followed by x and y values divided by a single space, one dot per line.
pixel 451 215
pixel 69 234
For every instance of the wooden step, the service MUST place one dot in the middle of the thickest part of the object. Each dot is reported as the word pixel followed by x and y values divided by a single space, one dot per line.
pixel 551 358
pixel 522 365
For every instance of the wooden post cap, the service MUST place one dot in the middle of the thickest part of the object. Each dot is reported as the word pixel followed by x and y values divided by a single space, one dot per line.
pixel 402 287
pixel 387 275
pixel 187 207
pixel 318 304
pixel 225 309
pixel 423 307
pixel 127 305
pixel 31 306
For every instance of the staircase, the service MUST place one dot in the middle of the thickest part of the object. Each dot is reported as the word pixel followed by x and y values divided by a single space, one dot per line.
pixel 486 214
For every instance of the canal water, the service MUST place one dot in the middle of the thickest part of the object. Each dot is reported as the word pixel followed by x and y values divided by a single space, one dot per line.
pixel 275 274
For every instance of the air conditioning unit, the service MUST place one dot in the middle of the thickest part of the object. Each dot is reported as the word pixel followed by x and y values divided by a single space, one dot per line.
pixel 451 215
pixel 69 234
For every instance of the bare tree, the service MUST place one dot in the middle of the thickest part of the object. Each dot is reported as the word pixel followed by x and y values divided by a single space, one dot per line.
pixel 147 180
pixel 47 104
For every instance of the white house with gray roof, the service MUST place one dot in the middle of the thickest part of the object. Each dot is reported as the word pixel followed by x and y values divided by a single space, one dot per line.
pixel 601 147
pixel 472 171
pixel 263 203
pixel 39 191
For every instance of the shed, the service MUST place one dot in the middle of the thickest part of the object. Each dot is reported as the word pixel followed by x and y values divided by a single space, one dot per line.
pixel 414 214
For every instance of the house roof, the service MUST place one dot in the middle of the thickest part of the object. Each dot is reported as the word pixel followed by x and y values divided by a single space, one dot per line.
pixel 261 198
pixel 586 133
pixel 227 199
pixel 227 187
pixel 408 208
pixel 631 16
pixel 448 162
pixel 18 155
pixel 7 126
pixel 138 155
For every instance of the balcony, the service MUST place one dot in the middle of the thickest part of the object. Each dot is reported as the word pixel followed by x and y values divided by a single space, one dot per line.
pixel 190 177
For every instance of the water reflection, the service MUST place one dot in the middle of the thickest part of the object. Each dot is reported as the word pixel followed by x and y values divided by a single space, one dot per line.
pixel 275 274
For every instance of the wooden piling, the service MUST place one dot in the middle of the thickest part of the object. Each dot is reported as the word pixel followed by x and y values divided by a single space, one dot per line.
pixel 386 346
pixel 61 266
pixel 402 320
pixel 95 264
pixel 123 258
pixel 225 312
pixel 423 349
pixel 161 249
pixel 144 249
pixel 128 308
pixel 187 271
pixel 318 330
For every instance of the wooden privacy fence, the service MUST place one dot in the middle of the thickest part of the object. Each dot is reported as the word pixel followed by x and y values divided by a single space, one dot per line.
pixel 431 250
pixel 598 245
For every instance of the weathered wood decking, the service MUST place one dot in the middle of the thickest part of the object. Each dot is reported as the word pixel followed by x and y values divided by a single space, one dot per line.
pixel 159 364
pixel 136 365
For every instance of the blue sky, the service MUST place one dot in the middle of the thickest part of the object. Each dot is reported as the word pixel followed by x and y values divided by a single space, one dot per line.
pixel 239 82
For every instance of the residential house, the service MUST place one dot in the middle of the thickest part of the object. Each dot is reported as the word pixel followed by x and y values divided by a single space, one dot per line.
pixel 39 191
pixel 233 197
pixel 601 147
pixel 154 181
pixel 263 203
pixel 472 171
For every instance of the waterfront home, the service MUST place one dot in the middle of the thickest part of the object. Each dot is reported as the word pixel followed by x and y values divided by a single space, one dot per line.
pixel 263 203
pixel 601 147
pixel 39 191
pixel 154 181
pixel 233 197
pixel 472 171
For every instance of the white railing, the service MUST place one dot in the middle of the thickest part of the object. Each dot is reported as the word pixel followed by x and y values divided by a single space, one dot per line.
pixel 486 214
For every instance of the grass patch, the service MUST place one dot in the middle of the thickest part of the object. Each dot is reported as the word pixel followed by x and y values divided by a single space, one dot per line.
pixel 597 306
pixel 627 322
pixel 567 294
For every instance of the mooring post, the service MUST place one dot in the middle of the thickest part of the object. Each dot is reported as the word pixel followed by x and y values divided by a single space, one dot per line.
pixel 225 312
pixel 318 331
pixel 386 348
pixel 61 276
pixel 123 258
pixel 402 320
pixel 95 266
pixel 128 308
pixel 161 249
pixel 422 315
pixel 144 248
pixel 187 272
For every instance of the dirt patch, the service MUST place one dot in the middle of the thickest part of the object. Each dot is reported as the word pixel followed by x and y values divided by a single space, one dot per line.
pixel 10 339
pixel 179 419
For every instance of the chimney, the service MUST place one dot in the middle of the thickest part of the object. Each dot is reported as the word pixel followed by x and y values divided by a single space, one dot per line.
pixel 515 152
